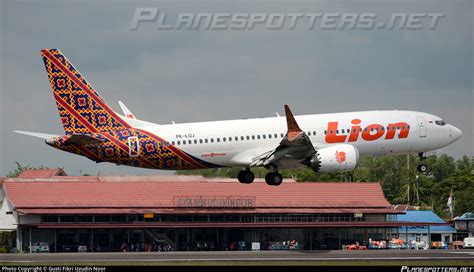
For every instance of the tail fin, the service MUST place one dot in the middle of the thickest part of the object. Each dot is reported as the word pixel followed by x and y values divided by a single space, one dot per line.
pixel 81 109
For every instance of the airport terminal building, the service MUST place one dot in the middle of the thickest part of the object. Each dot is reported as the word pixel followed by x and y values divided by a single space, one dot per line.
pixel 192 213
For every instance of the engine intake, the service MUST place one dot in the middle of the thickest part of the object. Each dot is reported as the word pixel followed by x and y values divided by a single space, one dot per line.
pixel 340 157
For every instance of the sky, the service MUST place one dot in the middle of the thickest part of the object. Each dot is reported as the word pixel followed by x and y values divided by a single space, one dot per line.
pixel 206 74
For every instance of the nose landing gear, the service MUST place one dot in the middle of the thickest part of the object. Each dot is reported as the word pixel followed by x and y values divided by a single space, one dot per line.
pixel 422 168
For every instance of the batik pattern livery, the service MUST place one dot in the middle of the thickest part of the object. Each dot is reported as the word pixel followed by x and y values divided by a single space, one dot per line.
pixel 81 109
pixel 84 112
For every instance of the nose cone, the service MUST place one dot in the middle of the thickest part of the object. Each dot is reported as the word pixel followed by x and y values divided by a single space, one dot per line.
pixel 456 133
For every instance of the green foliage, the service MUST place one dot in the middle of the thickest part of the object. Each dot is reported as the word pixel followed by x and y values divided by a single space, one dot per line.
pixel 15 173
pixel 401 182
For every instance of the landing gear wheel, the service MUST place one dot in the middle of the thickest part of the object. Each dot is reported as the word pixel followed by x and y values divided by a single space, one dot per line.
pixel 246 176
pixel 273 179
pixel 422 168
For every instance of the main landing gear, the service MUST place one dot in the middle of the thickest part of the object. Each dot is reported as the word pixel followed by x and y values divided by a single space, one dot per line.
pixel 246 176
pixel 422 167
pixel 273 178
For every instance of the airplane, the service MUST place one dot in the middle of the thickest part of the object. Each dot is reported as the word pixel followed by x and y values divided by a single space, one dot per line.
pixel 323 142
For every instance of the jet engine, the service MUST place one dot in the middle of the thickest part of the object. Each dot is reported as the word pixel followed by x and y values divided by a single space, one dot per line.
pixel 339 157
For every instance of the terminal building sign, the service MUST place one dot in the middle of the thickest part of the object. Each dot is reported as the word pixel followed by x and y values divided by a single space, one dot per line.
pixel 214 201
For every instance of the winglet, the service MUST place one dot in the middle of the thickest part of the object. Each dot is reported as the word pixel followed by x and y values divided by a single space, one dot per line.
pixel 293 129
pixel 126 111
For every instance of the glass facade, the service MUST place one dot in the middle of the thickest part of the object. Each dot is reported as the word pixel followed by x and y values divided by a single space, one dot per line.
pixel 258 231
pixel 242 218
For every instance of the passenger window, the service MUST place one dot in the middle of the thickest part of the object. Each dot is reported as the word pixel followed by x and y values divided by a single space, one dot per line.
pixel 179 143
pixel 223 139
pixel 218 140
pixel 241 138
pixel 205 140
pixel 314 133
pixel 264 136
pixel 230 139
pixel 184 142
pixel 190 142
pixel 325 132
pixel 253 137
pixel 172 142
pixel 355 130
pixel 258 137
pixel 236 138
pixel 276 136
pixel 365 129
pixel 269 136
pixel 248 137
pixel 200 141
pixel 212 140
pixel 408 126
pixel 195 141
pixel 281 134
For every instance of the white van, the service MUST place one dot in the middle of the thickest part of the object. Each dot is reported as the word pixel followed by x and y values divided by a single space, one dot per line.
pixel 469 242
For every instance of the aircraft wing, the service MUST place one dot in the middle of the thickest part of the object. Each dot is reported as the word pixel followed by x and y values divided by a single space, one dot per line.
pixel 296 145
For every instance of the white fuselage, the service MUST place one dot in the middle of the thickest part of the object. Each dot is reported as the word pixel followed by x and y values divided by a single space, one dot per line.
pixel 237 142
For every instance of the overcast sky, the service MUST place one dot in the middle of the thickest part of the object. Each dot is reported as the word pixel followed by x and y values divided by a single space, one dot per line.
pixel 201 75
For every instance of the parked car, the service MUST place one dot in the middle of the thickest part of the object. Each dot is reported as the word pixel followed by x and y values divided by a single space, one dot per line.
pixel 40 247
pixel 63 247
pixel 81 248
pixel 469 242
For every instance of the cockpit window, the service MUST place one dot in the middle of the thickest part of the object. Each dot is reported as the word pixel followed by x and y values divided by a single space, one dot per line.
pixel 440 122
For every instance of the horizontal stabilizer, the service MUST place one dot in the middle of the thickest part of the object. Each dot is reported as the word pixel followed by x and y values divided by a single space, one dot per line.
pixel 36 134
pixel 83 140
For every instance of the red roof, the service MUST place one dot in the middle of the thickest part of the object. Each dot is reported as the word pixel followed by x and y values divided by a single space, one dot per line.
pixel 42 173
pixel 160 196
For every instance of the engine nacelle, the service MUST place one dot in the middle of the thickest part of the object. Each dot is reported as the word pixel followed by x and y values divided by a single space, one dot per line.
pixel 339 157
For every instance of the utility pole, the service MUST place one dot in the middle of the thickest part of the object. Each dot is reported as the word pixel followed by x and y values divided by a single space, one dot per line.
pixel 408 178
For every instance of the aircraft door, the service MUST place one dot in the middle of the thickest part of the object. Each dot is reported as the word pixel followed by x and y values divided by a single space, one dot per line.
pixel 133 147
pixel 421 126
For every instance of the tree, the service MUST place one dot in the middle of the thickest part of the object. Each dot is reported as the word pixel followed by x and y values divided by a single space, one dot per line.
pixel 19 168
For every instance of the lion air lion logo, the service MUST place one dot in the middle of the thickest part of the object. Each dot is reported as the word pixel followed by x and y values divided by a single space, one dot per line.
pixel 340 156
